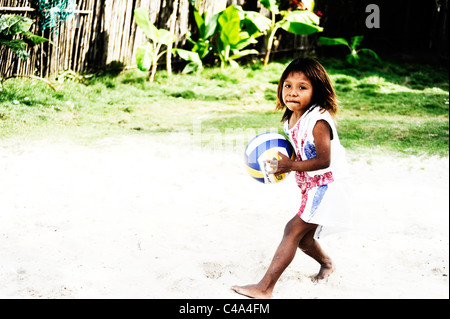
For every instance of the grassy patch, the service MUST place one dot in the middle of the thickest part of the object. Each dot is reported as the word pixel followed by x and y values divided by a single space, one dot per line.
pixel 405 136
pixel 400 107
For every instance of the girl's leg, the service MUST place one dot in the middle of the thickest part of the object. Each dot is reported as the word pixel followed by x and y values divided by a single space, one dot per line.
pixel 294 231
pixel 311 247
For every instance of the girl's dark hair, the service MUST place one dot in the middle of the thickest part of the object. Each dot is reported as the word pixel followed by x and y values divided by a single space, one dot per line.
pixel 323 92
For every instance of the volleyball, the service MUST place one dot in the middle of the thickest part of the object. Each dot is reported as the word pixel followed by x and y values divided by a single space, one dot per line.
pixel 265 147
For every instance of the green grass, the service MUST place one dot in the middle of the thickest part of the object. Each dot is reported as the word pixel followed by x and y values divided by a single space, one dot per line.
pixel 391 107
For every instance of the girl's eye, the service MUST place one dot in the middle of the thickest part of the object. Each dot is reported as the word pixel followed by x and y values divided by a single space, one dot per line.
pixel 287 85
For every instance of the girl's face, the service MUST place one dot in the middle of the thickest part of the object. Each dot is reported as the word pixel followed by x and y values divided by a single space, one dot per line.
pixel 297 92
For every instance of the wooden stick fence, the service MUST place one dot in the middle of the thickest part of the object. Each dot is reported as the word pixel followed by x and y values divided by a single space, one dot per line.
pixel 98 33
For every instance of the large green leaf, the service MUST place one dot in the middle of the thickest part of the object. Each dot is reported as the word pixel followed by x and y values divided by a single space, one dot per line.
pixel 144 56
pixel 195 63
pixel 245 40
pixel 356 41
pixel 142 20
pixel 200 23
pixel 35 39
pixel 230 28
pixel 240 54
pixel 271 5
pixel 159 36
pixel 370 53
pixel 303 16
pixel 14 24
pixel 187 55
pixel 300 28
pixel 210 25
pixel 164 37
pixel 255 22
pixel 332 41
pixel 301 22
pixel 5 22
pixel 17 46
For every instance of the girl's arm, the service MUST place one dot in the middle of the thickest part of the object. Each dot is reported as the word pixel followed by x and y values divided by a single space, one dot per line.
pixel 322 141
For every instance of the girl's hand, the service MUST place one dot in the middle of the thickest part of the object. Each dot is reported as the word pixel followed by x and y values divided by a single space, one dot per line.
pixel 283 165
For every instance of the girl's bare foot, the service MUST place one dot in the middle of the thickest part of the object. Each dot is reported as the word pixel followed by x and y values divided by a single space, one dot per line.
pixel 325 271
pixel 252 291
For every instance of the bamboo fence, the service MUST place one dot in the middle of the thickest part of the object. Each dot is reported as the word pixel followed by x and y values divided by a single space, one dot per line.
pixel 98 33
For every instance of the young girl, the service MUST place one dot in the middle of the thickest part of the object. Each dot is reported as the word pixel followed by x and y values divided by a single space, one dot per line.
pixel 308 98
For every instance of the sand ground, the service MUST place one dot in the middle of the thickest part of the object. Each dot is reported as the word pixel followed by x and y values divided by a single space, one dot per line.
pixel 155 217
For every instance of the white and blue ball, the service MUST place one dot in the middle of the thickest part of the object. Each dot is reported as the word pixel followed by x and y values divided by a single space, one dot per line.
pixel 265 147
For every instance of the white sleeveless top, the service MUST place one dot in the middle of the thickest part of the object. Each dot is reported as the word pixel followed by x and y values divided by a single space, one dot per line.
pixel 324 193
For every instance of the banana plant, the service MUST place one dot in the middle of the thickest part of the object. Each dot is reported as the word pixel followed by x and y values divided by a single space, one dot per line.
pixel 148 54
pixel 232 38
pixel 251 25
pixel 207 28
pixel 355 42
pixel 15 35
pixel 301 22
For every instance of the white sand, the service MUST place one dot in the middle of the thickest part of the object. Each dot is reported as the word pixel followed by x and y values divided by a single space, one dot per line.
pixel 147 217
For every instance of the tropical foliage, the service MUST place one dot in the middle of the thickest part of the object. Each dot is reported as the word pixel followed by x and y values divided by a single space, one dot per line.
pixel 233 39
pixel 353 57
pixel 206 26
pixel 235 30
pixel 302 22
pixel 148 54
pixel 15 34
pixel 229 33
